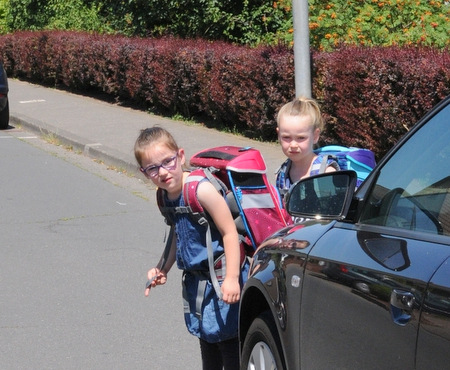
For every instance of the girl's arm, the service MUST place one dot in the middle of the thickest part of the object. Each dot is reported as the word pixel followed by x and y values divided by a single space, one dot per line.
pixel 216 206
pixel 159 273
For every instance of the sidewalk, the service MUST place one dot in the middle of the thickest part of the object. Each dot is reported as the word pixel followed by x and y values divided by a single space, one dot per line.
pixel 107 132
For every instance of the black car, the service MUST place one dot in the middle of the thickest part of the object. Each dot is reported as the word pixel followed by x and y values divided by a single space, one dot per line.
pixel 4 103
pixel 364 282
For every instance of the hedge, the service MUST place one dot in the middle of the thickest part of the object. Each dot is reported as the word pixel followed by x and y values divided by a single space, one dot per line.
pixel 369 96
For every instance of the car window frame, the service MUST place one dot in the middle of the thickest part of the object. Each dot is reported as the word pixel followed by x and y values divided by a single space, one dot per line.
pixel 362 195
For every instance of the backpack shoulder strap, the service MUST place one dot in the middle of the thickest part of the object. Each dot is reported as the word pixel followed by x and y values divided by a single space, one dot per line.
pixel 167 211
pixel 282 173
pixel 198 213
pixel 191 186
pixel 165 256
pixel 324 161
pixel 168 214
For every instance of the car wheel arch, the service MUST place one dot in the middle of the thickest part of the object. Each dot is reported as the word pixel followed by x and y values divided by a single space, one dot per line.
pixel 255 303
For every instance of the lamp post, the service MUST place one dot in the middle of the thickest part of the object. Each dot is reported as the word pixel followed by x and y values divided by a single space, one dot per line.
pixel 302 58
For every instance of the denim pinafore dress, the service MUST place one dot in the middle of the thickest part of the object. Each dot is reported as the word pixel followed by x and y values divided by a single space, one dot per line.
pixel 206 316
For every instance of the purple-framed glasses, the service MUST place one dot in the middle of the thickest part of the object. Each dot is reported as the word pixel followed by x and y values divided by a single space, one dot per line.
pixel 168 164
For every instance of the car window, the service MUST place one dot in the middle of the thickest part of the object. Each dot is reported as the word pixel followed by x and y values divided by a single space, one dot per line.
pixel 412 188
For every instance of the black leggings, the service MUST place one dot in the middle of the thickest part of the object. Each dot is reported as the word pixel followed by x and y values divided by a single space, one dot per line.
pixel 220 356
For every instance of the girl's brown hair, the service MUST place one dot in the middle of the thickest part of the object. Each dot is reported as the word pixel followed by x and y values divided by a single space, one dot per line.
pixel 152 135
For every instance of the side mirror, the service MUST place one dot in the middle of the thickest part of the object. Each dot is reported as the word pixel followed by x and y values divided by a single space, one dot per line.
pixel 324 196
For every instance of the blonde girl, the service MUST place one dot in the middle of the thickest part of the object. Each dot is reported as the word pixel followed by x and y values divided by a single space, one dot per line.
pixel 299 124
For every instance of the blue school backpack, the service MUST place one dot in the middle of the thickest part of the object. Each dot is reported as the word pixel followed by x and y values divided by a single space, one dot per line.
pixel 362 161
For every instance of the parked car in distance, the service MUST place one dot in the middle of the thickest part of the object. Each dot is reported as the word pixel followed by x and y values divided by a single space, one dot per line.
pixel 364 282
pixel 4 103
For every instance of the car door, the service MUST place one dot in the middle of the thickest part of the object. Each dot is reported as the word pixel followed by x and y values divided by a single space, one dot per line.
pixel 366 281
pixel 434 334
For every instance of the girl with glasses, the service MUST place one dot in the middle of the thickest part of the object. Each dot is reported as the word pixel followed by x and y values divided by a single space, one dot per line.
pixel 216 326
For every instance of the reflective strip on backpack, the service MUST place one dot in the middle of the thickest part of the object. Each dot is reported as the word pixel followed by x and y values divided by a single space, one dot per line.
pixel 246 170
pixel 192 178
pixel 257 201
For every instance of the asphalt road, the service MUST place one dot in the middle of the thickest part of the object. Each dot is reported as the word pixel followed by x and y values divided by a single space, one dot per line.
pixel 78 237
pixel 76 241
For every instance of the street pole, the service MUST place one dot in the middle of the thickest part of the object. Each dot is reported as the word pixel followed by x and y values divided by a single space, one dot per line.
pixel 302 58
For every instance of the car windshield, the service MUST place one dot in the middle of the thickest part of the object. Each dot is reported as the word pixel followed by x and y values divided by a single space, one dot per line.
pixel 412 189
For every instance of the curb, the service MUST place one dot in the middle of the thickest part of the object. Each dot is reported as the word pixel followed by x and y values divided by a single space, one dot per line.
pixel 95 151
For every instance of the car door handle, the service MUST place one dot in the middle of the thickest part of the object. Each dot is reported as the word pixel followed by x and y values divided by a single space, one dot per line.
pixel 402 303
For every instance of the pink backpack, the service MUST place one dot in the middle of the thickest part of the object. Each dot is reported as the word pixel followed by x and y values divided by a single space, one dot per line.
pixel 239 173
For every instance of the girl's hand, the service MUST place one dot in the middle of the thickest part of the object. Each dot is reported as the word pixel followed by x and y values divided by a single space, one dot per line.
pixel 155 277
pixel 231 290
